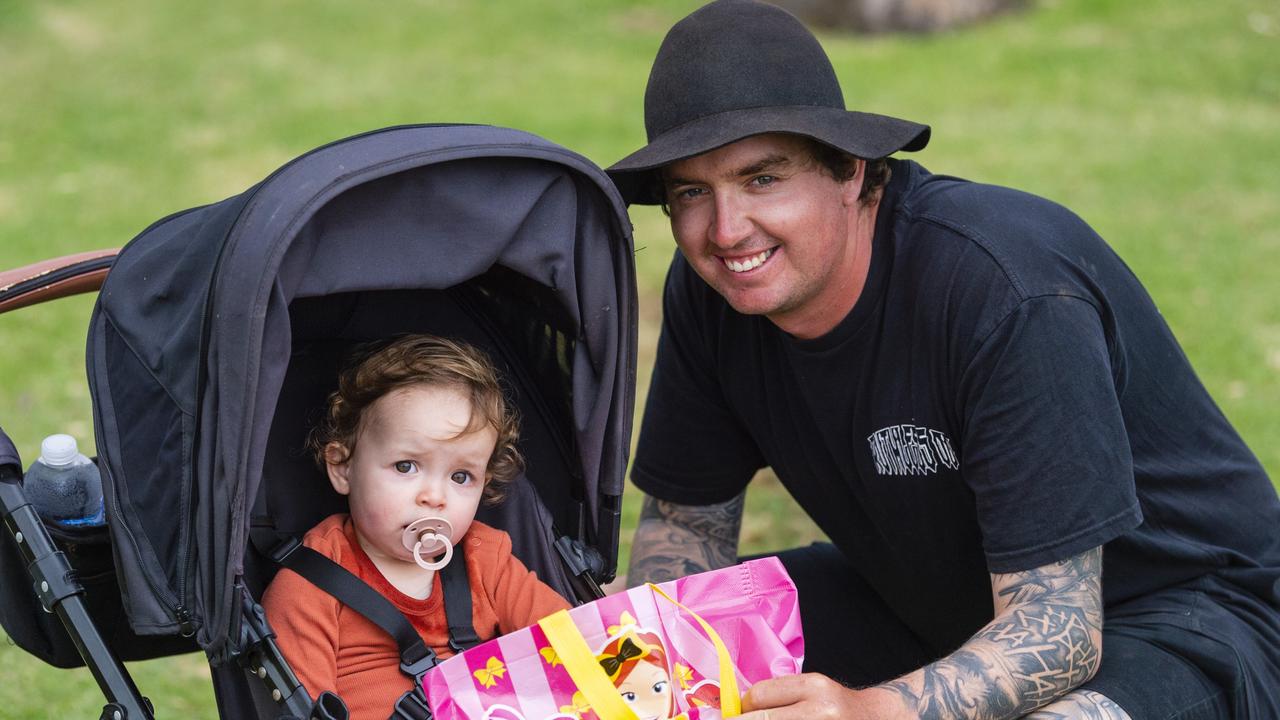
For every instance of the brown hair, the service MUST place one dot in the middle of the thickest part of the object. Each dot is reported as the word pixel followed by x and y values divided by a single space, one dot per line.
pixel 842 166
pixel 423 360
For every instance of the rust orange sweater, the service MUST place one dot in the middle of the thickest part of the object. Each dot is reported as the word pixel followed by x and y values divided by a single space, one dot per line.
pixel 332 647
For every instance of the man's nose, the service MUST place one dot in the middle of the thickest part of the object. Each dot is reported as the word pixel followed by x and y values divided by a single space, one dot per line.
pixel 731 224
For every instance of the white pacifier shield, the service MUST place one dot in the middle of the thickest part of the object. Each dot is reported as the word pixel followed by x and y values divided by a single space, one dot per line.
pixel 427 537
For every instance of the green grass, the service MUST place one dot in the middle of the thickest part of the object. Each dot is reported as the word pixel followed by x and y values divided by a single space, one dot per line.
pixel 1155 120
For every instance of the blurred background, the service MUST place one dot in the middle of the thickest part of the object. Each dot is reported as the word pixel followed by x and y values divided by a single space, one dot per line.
pixel 1158 121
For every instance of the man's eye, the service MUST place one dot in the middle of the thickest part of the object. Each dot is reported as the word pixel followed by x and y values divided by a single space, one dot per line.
pixel 404 467
pixel 462 477
pixel 688 193
pixel 763 180
pixel 629 697
pixel 659 687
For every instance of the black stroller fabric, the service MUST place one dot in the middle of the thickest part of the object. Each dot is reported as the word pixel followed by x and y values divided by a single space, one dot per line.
pixel 219 329
pixel 8 453
pixel 42 634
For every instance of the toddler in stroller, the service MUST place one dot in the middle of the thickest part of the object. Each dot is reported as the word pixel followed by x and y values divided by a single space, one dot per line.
pixel 217 337
pixel 416 436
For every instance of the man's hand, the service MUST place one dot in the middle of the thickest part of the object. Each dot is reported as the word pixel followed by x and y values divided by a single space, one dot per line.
pixel 815 697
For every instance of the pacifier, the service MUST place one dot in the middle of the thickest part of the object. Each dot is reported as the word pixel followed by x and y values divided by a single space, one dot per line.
pixel 428 537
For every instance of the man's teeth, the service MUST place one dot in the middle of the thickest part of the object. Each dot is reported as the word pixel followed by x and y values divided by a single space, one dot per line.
pixel 746 264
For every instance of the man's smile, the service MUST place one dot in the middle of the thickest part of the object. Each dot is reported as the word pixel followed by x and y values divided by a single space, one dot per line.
pixel 746 263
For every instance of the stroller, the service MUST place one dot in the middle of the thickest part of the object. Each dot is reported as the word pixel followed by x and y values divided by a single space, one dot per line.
pixel 217 335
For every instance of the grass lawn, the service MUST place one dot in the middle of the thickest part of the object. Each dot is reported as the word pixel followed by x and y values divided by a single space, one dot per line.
pixel 1154 120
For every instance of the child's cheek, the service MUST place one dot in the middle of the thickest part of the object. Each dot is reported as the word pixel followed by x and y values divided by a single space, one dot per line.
pixel 384 512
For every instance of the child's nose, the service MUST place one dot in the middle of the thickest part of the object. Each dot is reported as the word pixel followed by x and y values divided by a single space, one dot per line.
pixel 432 494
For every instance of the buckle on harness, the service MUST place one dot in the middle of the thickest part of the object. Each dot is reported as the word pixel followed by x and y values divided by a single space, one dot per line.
pixel 417 668
pixel 411 706
pixel 468 639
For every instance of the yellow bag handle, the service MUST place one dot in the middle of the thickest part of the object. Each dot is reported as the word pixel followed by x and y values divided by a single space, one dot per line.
pixel 730 698
pixel 594 684
pixel 583 668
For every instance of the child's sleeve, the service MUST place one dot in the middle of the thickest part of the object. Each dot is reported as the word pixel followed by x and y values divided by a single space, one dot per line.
pixel 518 596
pixel 305 621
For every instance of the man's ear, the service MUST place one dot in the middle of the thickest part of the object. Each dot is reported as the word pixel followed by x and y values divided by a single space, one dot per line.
pixel 851 189
pixel 337 465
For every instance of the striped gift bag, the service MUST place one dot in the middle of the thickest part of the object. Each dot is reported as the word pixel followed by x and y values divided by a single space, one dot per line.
pixel 683 649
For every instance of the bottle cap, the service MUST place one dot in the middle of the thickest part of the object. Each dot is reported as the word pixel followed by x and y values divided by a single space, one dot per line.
pixel 58 450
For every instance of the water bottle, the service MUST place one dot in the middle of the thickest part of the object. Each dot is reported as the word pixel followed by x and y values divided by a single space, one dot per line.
pixel 64 486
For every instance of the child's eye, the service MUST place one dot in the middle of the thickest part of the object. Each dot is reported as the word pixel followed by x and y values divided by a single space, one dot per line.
pixel 462 477
pixel 404 467
pixel 629 697
pixel 659 687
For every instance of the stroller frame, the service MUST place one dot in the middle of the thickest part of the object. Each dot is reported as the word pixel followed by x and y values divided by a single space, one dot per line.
pixel 60 592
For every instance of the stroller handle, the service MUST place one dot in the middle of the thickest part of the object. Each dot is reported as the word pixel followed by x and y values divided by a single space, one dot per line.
pixel 54 278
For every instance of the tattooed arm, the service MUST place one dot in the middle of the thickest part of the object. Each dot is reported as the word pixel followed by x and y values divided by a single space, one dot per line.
pixel 673 540
pixel 1045 640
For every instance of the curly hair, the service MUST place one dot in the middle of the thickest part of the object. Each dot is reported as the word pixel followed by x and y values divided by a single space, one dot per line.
pixel 422 360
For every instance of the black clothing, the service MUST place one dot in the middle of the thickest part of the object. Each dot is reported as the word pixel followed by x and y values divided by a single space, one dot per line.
pixel 1154 649
pixel 1003 395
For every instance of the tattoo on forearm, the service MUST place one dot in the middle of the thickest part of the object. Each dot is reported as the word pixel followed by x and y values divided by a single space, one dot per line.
pixel 675 540
pixel 1081 705
pixel 1045 640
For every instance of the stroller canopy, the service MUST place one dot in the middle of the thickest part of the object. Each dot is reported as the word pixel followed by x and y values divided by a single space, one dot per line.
pixel 192 335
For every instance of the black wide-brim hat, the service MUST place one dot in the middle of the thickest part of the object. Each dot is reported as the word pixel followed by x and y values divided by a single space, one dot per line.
pixel 737 68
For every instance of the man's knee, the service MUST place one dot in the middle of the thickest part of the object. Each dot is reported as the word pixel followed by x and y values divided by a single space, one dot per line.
pixel 1082 705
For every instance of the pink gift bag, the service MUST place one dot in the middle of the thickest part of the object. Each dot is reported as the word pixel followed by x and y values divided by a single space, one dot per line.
pixel 683 649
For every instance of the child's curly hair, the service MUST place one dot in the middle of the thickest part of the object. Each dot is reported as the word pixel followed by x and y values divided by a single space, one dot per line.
pixel 423 360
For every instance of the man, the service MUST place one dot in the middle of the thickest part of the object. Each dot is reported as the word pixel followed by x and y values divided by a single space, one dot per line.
pixel 963 386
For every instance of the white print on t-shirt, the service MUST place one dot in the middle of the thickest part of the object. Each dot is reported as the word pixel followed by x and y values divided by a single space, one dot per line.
pixel 911 450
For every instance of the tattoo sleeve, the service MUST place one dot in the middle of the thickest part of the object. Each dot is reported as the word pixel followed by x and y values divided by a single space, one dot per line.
pixel 1081 705
pixel 674 540
pixel 1045 640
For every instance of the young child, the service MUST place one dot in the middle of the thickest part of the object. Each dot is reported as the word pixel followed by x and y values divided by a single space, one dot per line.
pixel 418 429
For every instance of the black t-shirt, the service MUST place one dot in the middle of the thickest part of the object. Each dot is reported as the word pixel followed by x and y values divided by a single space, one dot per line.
pixel 1004 394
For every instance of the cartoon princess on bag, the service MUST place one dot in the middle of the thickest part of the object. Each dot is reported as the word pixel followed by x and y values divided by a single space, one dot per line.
pixel 635 660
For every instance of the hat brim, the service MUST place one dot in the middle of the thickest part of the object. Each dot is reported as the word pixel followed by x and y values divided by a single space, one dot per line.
pixel 864 135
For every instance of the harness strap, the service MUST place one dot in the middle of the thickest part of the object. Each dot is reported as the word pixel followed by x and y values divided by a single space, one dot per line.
pixel 353 592
pixel 415 657
pixel 457 602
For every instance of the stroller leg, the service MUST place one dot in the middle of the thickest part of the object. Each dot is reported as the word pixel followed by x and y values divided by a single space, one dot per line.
pixel 59 590
pixel 262 658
